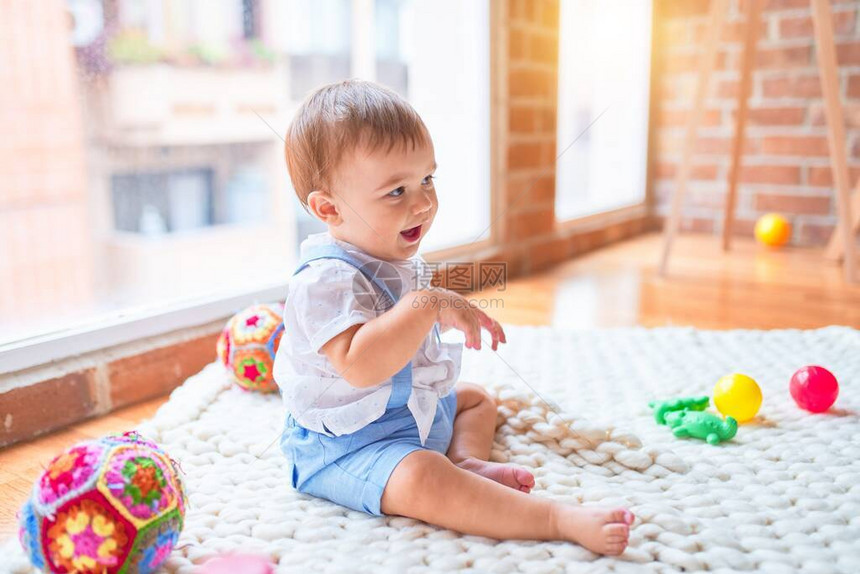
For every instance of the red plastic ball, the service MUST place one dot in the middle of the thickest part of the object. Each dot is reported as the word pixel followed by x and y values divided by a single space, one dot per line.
pixel 814 388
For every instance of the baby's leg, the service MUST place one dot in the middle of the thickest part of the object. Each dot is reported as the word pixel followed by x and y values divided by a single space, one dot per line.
pixel 472 440
pixel 428 486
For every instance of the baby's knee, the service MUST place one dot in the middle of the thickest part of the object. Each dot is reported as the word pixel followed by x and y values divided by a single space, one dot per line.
pixel 471 395
pixel 420 470
pixel 417 476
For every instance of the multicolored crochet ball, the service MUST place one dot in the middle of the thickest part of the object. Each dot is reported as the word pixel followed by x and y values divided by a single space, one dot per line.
pixel 248 343
pixel 116 504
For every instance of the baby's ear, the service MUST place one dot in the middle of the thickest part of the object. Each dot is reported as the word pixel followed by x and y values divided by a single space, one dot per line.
pixel 323 207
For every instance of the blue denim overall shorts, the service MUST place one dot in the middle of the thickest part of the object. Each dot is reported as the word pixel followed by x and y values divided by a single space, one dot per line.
pixel 353 469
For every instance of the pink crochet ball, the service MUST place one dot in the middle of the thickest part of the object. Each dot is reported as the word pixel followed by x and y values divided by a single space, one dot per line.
pixel 116 504
pixel 234 563
pixel 248 343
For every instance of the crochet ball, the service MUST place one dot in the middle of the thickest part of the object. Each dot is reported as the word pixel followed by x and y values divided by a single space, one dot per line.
pixel 232 563
pixel 248 343
pixel 814 388
pixel 115 504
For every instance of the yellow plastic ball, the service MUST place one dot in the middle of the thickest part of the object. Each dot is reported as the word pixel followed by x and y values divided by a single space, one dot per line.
pixel 737 396
pixel 773 230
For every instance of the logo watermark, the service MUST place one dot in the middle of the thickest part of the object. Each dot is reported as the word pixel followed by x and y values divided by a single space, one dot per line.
pixel 365 286
pixel 448 303
pixel 379 284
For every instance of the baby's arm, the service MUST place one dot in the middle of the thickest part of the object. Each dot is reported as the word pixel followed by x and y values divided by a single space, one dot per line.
pixel 369 353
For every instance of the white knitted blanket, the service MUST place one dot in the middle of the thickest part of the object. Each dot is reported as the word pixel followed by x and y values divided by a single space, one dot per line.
pixel 783 495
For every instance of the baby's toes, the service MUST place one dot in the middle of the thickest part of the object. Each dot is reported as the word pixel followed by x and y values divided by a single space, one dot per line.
pixel 616 531
pixel 524 477
pixel 615 548
pixel 621 515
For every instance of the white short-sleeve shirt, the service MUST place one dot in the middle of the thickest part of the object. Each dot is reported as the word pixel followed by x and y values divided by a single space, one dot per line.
pixel 322 302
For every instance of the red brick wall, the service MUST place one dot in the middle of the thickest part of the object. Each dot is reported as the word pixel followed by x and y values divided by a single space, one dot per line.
pixel 531 60
pixel 786 165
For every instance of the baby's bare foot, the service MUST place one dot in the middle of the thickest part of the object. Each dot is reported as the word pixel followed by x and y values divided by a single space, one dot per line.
pixel 509 475
pixel 601 530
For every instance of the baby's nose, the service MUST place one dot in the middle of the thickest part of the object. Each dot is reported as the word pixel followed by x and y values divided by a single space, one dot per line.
pixel 423 204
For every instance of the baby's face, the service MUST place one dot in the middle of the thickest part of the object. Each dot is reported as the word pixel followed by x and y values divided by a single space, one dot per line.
pixel 386 200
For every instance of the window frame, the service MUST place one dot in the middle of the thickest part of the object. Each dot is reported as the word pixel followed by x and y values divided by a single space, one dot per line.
pixel 124 327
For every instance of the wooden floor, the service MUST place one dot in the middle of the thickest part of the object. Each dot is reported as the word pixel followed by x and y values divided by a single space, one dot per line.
pixel 751 287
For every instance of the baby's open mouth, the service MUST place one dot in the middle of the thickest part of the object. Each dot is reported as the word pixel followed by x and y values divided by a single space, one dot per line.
pixel 411 234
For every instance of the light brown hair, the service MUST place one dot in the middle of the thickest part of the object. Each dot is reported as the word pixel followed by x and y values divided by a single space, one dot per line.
pixel 336 119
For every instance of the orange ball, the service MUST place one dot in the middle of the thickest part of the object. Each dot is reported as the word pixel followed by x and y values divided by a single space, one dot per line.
pixel 773 230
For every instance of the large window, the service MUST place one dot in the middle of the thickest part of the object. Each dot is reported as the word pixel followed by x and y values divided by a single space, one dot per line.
pixel 143 156
pixel 604 69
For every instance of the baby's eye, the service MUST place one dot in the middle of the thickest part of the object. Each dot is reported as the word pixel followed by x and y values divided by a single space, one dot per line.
pixel 397 192
pixel 427 180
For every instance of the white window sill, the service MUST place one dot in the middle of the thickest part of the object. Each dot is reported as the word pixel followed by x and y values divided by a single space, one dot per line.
pixel 127 326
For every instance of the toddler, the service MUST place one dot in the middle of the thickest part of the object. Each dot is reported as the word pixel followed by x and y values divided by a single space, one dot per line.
pixel 376 420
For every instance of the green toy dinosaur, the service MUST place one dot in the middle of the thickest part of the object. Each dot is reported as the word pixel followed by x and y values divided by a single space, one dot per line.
pixel 701 425
pixel 661 408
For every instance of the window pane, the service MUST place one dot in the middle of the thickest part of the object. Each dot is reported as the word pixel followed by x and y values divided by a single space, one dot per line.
pixel 138 172
pixel 391 66
pixel 318 41
pixel 449 85
pixel 604 68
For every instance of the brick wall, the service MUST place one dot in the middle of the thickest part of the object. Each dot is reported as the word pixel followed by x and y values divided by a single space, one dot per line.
pixel 48 397
pixel 526 76
pixel 786 166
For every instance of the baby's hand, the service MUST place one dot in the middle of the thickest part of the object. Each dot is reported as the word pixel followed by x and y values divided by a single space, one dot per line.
pixel 458 312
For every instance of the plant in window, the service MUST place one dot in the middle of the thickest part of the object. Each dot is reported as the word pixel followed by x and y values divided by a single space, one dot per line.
pixel 132 46
pixel 208 54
